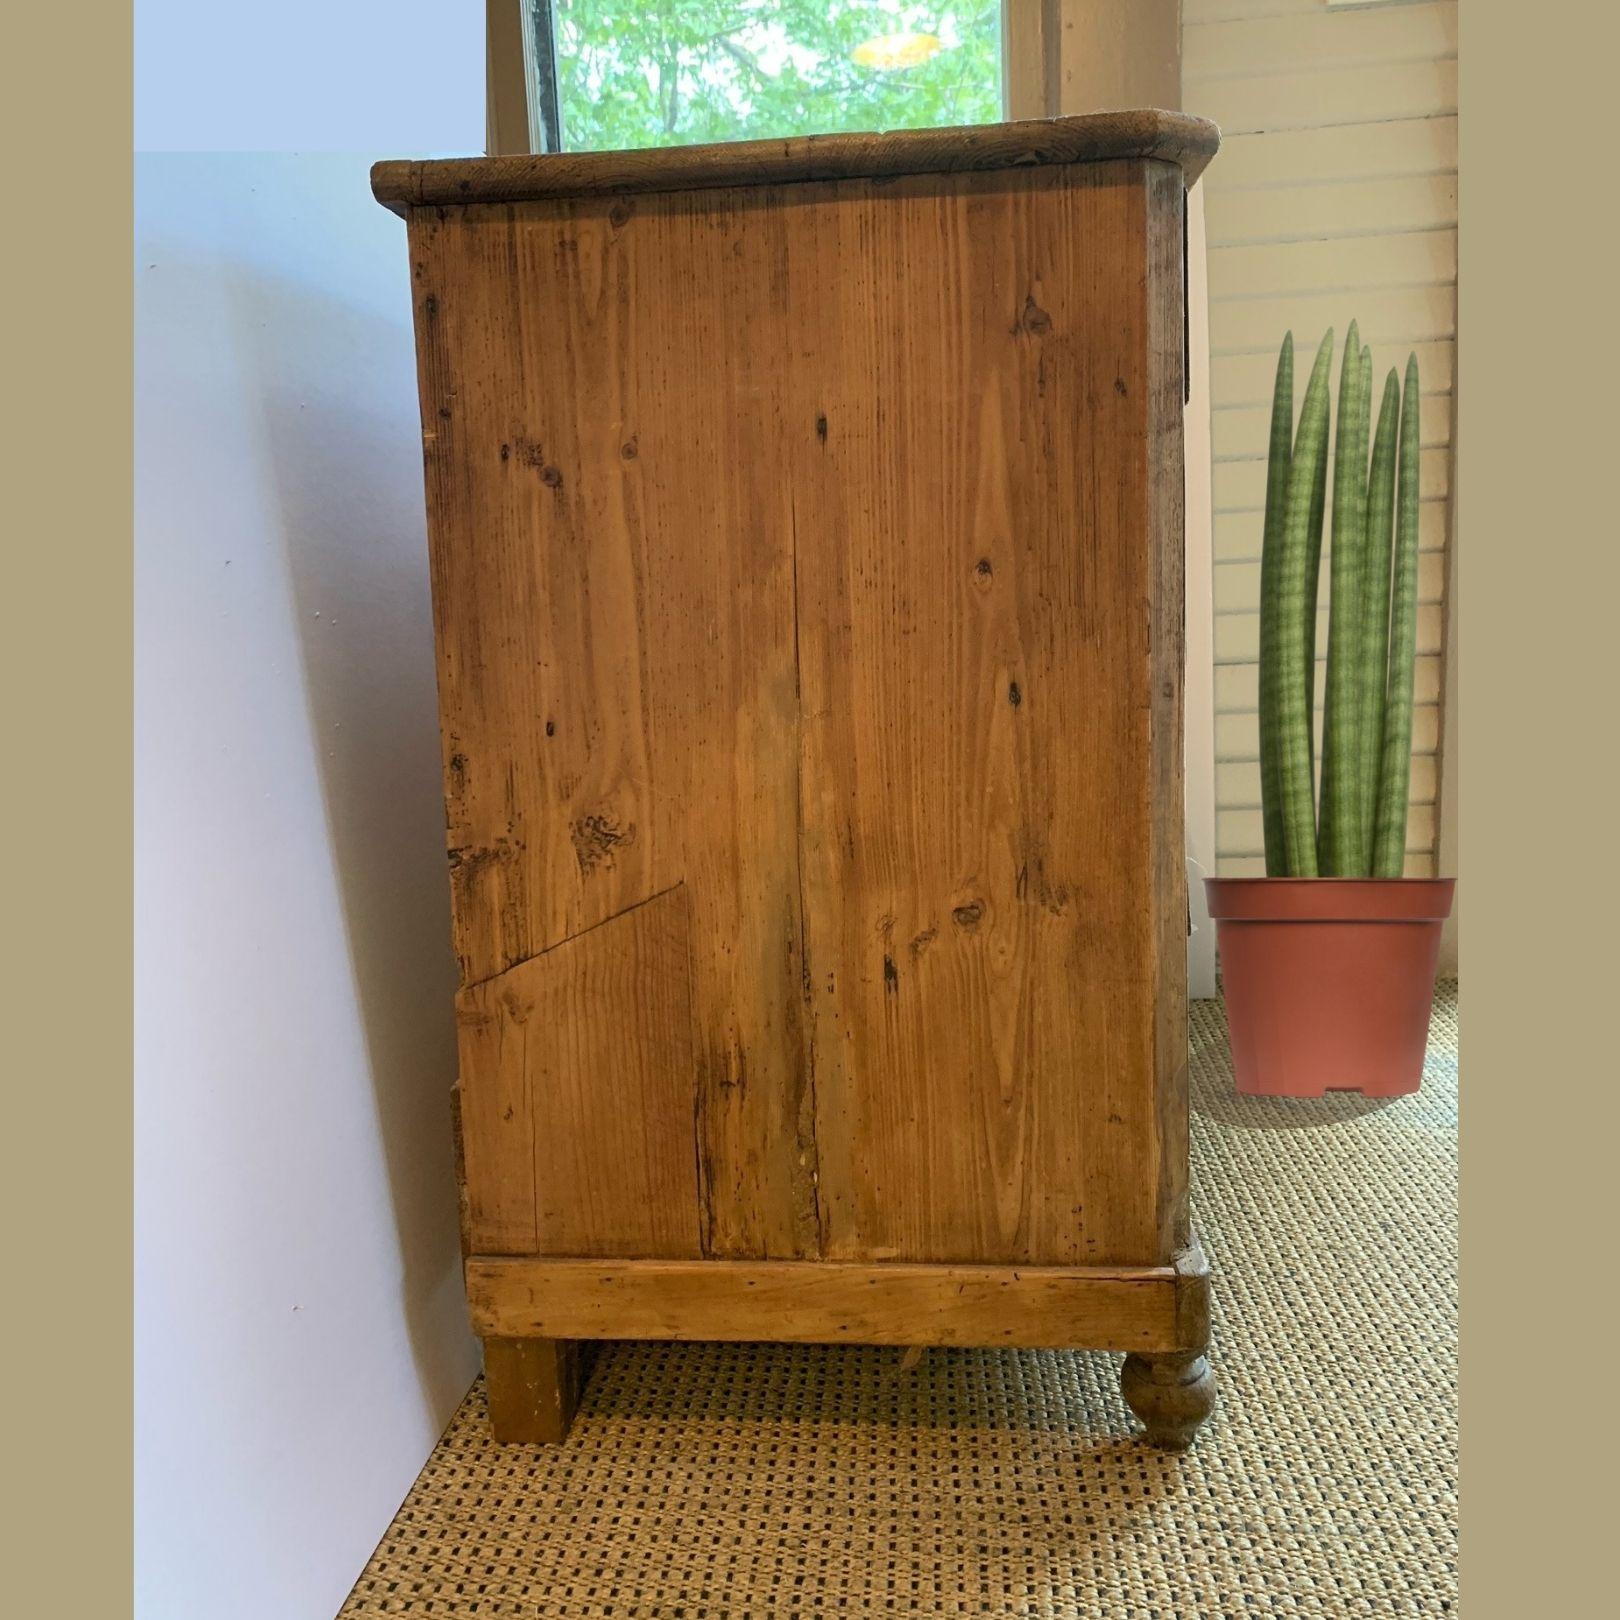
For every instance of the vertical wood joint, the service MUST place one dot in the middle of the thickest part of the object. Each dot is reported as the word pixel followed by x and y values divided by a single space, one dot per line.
pixel 1192 1296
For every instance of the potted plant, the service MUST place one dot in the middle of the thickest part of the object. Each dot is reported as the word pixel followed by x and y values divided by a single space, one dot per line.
pixel 1328 962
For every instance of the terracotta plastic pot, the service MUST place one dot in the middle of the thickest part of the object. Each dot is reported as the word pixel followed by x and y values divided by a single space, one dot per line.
pixel 1328 981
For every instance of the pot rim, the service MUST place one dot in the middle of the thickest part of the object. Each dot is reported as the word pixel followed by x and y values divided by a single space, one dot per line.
pixel 1330 899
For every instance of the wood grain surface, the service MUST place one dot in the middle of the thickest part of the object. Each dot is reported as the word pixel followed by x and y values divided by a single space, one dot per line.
pixel 576 1122
pixel 989 634
pixel 613 585
pixel 1173 137
pixel 806 565
pixel 533 1387
pixel 833 1302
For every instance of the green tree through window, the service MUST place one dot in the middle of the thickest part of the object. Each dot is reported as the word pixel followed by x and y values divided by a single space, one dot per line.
pixel 636 73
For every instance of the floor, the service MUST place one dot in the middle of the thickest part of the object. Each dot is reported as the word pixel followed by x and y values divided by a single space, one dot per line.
pixel 758 1480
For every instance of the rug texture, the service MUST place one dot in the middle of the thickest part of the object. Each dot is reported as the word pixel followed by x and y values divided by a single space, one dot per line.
pixel 761 1480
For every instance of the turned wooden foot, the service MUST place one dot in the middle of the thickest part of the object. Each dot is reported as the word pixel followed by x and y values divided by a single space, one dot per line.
pixel 534 1386
pixel 1171 1393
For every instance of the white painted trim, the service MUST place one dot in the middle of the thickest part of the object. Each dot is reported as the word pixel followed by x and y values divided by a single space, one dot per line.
pixel 506 81
pixel 1030 30
pixel 1446 847
pixel 1199 679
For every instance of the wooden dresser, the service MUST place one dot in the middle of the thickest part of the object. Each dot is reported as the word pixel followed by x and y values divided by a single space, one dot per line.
pixel 806 533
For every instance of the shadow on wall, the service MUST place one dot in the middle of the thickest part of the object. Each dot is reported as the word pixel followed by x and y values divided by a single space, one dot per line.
pixel 353 531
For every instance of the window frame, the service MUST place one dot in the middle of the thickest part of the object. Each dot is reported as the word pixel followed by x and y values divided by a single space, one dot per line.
pixel 522 107
pixel 523 113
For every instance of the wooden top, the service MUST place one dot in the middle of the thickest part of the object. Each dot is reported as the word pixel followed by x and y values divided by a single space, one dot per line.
pixel 1094 138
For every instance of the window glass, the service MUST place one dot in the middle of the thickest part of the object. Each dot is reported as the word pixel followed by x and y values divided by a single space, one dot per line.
pixel 634 73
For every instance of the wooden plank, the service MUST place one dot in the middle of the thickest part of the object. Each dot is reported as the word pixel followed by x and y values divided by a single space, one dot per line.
pixel 1313 213
pixel 1237 736
pixel 807 1302
pixel 1328 95
pixel 1243 435
pixel 1419 864
pixel 1203 12
pixel 1236 684
pixel 1298 43
pixel 1237 584
pixel 1247 379
pixel 1102 137
pixel 1362 151
pixel 577 1093
pixel 1239 782
pixel 990 624
pixel 1385 316
pixel 613 589
pixel 1240 486
pixel 1237 635
pixel 1238 534
pixel 1362 263
pixel 1239 831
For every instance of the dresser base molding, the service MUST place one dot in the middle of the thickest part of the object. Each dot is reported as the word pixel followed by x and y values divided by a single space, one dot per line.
pixel 1159 1315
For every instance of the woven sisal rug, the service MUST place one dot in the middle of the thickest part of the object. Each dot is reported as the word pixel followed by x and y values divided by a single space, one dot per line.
pixel 761 1480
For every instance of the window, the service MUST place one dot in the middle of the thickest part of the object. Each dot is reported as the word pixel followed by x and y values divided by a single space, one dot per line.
pixel 612 74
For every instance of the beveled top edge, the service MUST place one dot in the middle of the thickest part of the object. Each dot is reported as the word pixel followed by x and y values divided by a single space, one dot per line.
pixel 1093 138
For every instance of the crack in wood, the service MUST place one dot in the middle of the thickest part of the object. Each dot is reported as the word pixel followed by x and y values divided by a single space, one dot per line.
pixel 569 939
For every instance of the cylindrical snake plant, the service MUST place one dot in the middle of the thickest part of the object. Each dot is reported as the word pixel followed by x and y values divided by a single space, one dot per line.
pixel 1372 621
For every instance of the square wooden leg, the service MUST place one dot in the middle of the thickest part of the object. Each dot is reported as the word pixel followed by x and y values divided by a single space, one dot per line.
pixel 534 1386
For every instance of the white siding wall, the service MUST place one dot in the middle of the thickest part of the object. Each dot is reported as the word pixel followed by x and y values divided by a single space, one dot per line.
pixel 1334 197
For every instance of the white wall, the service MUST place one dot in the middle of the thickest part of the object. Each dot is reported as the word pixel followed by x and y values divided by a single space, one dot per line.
pixel 301 1335
pixel 1446 845
pixel 1334 196
pixel 399 78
